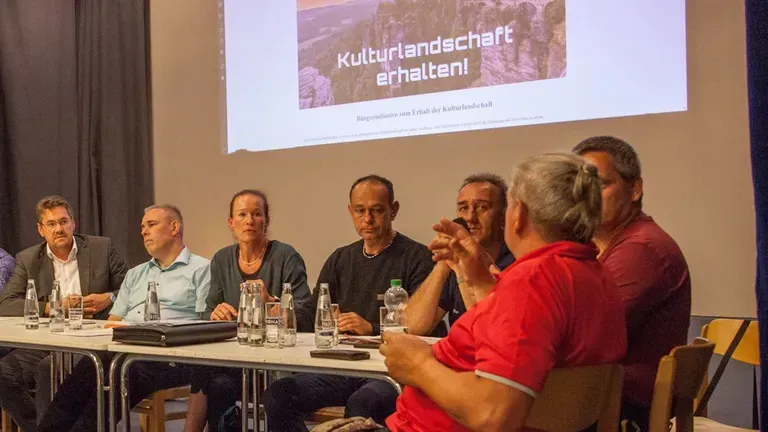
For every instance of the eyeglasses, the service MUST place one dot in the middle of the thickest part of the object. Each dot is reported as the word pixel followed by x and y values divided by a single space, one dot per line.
pixel 51 225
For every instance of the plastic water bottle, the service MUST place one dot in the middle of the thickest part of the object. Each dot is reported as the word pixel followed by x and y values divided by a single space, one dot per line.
pixel 323 319
pixel 288 313
pixel 31 307
pixel 151 304
pixel 56 308
pixel 396 299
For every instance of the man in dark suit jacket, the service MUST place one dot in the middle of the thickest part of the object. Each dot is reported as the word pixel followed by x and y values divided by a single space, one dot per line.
pixel 100 269
pixel 82 264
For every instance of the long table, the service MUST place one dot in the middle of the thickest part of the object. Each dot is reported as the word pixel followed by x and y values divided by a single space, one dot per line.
pixel 14 335
pixel 225 354
pixel 231 354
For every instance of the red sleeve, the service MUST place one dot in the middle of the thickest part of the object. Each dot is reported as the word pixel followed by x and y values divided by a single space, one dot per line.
pixel 637 271
pixel 517 332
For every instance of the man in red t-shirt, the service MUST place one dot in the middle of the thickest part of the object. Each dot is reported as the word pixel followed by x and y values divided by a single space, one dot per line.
pixel 551 308
pixel 647 266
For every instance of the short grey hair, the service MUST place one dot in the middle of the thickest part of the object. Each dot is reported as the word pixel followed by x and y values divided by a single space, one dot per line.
pixel 170 210
pixel 562 194
pixel 625 157
pixel 494 179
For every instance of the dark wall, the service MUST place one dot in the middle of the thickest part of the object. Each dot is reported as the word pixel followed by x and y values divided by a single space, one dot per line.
pixel 75 117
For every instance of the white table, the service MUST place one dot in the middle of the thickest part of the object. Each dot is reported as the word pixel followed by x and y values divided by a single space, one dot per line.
pixel 14 335
pixel 231 354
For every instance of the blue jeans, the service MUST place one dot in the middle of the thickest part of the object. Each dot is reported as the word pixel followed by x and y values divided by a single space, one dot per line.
pixel 288 400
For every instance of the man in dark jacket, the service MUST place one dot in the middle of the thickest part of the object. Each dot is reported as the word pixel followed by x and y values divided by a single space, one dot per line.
pixel 85 265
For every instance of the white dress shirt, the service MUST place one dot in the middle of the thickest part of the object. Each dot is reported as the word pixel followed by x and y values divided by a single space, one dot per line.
pixel 66 272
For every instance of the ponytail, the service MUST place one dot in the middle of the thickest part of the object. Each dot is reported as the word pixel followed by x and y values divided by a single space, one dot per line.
pixel 562 194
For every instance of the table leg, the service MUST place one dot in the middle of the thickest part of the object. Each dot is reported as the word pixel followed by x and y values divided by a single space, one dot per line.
pixel 113 389
pixel 57 366
pixel 268 379
pixel 60 363
pixel 244 411
pixel 99 389
pixel 245 366
pixel 68 363
pixel 256 400
pixel 124 392
pixel 54 381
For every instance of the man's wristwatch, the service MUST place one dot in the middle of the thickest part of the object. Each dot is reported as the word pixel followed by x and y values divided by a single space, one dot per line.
pixel 112 297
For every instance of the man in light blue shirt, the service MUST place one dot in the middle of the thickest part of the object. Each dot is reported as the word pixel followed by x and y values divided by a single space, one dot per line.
pixel 183 282
pixel 188 277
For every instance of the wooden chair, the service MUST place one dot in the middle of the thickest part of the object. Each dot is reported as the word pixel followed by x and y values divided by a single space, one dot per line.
pixel 574 399
pixel 327 414
pixel 721 332
pixel 678 380
pixel 7 423
pixel 152 414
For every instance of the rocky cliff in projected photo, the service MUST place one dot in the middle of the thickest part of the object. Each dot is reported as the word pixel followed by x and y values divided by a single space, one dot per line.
pixel 362 50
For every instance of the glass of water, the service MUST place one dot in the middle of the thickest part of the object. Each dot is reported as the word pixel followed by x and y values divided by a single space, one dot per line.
pixel 75 302
pixel 392 321
pixel 335 312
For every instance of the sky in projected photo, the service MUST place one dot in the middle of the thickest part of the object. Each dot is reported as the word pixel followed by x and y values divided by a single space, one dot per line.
pixel 309 4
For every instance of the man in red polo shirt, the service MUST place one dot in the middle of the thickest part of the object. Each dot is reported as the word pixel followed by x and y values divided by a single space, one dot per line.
pixel 551 308
pixel 647 266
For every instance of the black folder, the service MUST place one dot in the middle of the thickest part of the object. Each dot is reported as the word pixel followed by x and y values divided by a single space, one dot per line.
pixel 175 334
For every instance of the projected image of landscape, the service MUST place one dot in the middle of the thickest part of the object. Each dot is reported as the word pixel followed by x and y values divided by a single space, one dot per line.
pixel 363 50
pixel 311 72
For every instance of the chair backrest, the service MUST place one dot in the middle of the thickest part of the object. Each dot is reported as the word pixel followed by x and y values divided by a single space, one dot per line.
pixel 678 380
pixel 722 331
pixel 573 399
